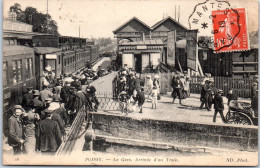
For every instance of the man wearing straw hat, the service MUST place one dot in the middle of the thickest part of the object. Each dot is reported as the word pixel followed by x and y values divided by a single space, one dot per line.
pixel 15 136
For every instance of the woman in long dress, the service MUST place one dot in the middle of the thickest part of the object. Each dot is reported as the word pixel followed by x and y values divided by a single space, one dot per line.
pixel 30 122
pixel 148 85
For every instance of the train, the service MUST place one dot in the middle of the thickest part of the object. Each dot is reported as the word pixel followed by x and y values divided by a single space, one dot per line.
pixel 24 61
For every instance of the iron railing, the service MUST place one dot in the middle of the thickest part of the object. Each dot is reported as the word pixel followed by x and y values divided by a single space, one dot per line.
pixel 67 145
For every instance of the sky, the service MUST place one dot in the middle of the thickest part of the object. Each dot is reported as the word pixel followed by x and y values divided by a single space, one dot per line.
pixel 98 18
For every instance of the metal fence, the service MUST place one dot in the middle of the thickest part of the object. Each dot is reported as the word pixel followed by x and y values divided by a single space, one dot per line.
pixel 240 86
pixel 109 103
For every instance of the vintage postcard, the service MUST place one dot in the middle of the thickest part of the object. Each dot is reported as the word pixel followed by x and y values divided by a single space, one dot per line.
pixel 130 82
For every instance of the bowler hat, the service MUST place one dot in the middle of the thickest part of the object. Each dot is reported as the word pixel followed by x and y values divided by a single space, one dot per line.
pixel 47 111
pixel 36 93
pixel 29 88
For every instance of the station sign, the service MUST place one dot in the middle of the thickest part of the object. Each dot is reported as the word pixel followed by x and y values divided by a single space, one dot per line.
pixel 141 47
pixel 51 56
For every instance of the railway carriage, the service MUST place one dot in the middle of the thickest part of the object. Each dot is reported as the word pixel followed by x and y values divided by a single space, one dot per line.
pixel 18 74
pixel 69 64
pixel 94 55
pixel 80 58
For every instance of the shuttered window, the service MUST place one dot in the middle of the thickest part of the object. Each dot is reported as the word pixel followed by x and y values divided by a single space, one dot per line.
pixel 29 68
pixel 145 60
pixel 17 71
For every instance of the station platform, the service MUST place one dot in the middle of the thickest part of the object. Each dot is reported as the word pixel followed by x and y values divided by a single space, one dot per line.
pixel 188 111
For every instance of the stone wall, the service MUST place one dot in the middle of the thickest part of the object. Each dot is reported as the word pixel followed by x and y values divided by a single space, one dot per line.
pixel 178 133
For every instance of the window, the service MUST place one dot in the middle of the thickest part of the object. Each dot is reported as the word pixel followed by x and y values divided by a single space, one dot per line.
pixel 17 71
pixel 12 42
pixel 51 63
pixel 5 83
pixel 29 68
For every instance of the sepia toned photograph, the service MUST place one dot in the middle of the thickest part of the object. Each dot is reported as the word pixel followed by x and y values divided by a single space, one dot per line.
pixel 130 82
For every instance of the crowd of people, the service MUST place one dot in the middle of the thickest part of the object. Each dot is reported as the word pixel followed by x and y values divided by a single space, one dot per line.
pixel 38 123
pixel 134 89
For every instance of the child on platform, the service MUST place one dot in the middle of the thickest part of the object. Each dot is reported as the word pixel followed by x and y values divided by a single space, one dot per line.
pixel 140 97
pixel 154 95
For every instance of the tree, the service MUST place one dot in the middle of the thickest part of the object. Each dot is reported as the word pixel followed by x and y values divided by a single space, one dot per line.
pixel 38 20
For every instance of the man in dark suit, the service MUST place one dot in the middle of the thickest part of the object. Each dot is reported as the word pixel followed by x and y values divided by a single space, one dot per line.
pixel 49 134
pixel 82 98
pixel 177 89
pixel 65 91
pixel 15 137
pixel 207 95
pixel 27 98
pixel 219 106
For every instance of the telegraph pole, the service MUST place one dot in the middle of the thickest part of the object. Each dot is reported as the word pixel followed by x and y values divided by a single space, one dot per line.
pixel 47 17
pixel 79 31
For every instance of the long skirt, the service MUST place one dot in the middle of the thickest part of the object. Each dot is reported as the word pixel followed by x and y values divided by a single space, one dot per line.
pixel 30 145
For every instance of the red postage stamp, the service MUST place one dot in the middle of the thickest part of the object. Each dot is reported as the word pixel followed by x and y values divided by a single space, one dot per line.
pixel 230 30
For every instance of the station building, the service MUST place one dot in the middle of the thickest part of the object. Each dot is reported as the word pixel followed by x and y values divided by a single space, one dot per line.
pixel 145 48
pixel 170 46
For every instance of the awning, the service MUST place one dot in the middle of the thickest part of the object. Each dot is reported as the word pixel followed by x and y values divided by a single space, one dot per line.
pixel 46 50
pixel 16 49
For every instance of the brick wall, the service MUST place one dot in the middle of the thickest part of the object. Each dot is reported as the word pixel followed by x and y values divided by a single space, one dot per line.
pixel 178 133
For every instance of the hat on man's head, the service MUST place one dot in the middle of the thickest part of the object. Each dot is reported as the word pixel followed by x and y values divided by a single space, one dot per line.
pixel 79 87
pixel 48 68
pixel 254 84
pixel 18 108
pixel 220 91
pixel 36 92
pixel 53 106
pixel 56 99
pixel 29 88
pixel 48 112
pixel 72 88
pixel 156 76
pixel 48 99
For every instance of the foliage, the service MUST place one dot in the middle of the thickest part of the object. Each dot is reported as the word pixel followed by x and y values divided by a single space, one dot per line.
pixel 39 20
